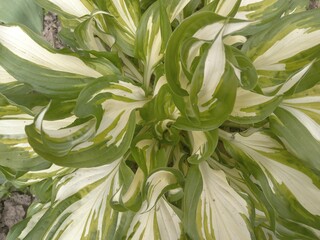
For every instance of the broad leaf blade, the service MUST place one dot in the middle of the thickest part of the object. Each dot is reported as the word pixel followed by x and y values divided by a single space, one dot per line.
pixel 16 152
pixel 69 8
pixel 71 216
pixel 23 12
pixel 221 212
pixel 298 117
pixel 251 107
pixel 101 139
pixel 49 72
pixel 161 222
pixel 285 50
pixel 198 72
pixel 214 210
pixel 285 181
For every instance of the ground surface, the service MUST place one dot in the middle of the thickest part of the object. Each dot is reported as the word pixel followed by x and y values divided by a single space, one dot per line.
pixel 12 210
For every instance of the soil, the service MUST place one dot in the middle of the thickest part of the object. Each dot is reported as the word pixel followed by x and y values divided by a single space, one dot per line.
pixel 12 210
pixel 51 27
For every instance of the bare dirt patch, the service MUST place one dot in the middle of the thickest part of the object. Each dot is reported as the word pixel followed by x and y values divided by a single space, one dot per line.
pixel 12 210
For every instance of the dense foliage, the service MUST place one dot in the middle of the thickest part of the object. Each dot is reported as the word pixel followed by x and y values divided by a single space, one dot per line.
pixel 168 119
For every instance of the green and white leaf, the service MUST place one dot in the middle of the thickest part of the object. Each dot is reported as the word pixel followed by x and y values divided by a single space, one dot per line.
pixel 32 177
pixel 219 212
pixel 175 8
pixel 161 222
pixel 90 37
pixel 286 182
pixel 122 22
pixel 158 183
pixel 285 51
pixel 198 72
pixel 147 154
pixel 69 8
pixel 87 141
pixel 222 213
pixel 152 36
pixel 298 117
pixel 50 72
pixel 251 107
pixel 16 152
pixel 202 144
pixel 79 209
pixel 261 11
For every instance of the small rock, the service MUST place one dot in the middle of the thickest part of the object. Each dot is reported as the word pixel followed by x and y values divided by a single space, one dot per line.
pixel 51 27
pixel 22 199
pixel 12 213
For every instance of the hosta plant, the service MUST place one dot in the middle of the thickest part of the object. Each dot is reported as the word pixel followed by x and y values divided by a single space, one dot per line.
pixel 167 119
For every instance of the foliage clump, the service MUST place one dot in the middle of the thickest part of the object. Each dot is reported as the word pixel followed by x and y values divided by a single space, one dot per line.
pixel 168 119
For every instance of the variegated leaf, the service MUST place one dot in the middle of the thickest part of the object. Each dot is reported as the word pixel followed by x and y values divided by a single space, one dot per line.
pixel 152 35
pixel 226 8
pixel 91 37
pixel 80 208
pixel 198 72
pixel 147 154
pixel 286 182
pixel 286 52
pixel 87 141
pixel 49 72
pixel 297 123
pixel 158 183
pixel 161 222
pixel 258 12
pixel 175 7
pixel 202 144
pixel 217 211
pixel 251 107
pixel 221 212
pixel 122 22
pixel 69 8
pixel 32 177
pixel 16 153
pixel 242 65
pixel 261 11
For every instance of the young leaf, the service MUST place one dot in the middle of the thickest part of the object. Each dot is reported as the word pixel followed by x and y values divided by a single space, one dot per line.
pixel 122 22
pixel 198 72
pixel 158 183
pixel 152 36
pixel 202 144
